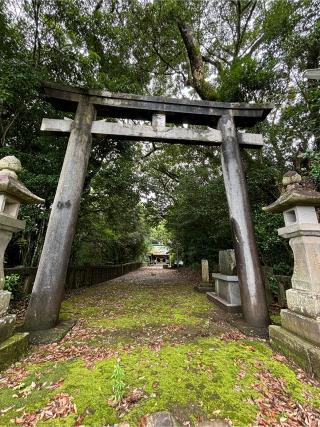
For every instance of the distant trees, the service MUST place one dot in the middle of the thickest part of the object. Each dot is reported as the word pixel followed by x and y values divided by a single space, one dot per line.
pixel 80 43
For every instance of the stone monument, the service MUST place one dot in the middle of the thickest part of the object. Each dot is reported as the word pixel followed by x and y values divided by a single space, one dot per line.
pixel 205 285
pixel 227 290
pixel 205 270
pixel 12 194
pixel 299 335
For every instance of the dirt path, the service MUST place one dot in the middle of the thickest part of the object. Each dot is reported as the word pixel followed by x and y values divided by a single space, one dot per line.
pixel 149 339
pixel 157 275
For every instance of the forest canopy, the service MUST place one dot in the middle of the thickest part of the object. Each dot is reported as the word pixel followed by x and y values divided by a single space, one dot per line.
pixel 234 50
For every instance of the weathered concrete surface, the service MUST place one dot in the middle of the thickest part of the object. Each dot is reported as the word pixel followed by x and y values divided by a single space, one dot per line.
pixel 171 135
pixel 303 326
pixel 306 303
pixel 124 105
pixel 7 324
pixel 226 285
pixel 299 336
pixel 5 237
pixel 51 335
pixel 10 165
pixel 204 287
pixel 303 352
pixel 290 199
pixel 12 349
pixel 12 193
pixel 227 288
pixel 252 291
pixel 221 302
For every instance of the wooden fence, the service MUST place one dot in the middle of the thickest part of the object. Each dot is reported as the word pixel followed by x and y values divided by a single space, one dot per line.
pixel 77 276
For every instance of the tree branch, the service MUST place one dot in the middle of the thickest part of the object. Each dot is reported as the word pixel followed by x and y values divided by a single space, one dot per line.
pixel 166 62
pixel 217 64
pixel 203 88
pixel 153 150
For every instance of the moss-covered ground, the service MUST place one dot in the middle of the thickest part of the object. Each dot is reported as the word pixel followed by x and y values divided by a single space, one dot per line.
pixel 177 354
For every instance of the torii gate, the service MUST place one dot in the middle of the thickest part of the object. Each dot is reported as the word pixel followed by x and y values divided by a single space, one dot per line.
pixel 46 298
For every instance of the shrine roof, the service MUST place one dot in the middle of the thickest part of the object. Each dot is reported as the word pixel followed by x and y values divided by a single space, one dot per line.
pixel 177 111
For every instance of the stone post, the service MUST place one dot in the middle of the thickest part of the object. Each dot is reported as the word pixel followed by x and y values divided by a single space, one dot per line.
pixel 253 298
pixel 205 270
pixel 47 293
pixel 227 290
pixel 205 285
pixel 12 194
pixel 299 335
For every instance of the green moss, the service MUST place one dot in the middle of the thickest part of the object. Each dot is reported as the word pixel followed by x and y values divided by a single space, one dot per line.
pixel 141 307
pixel 216 375
pixel 276 319
pixel 190 375
pixel 12 349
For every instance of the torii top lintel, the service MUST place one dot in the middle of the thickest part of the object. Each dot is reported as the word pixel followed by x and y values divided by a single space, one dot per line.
pixel 177 111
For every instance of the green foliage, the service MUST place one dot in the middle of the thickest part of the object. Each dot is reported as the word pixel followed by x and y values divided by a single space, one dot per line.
pixel 111 226
pixel 12 284
pixel 247 79
pixel 160 233
pixel 314 158
pixel 118 384
pixel 73 43
pixel 245 51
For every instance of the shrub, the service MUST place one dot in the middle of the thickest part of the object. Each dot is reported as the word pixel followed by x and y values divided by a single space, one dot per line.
pixel 12 284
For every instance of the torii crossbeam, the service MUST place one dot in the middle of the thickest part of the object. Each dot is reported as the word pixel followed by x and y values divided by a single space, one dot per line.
pixel 209 123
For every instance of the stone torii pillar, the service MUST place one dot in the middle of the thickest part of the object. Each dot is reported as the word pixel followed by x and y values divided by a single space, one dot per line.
pixel 252 291
pixel 48 288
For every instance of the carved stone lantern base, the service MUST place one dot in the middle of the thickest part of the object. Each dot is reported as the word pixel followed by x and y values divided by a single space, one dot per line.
pixel 298 337
pixel 302 351
pixel 12 194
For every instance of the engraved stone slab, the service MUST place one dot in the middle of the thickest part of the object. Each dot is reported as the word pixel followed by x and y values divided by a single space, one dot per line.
pixel 306 303
pixel 205 270
pixel 306 274
pixel 227 262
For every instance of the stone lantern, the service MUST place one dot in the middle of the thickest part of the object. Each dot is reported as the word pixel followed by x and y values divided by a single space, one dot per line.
pixel 299 335
pixel 12 194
